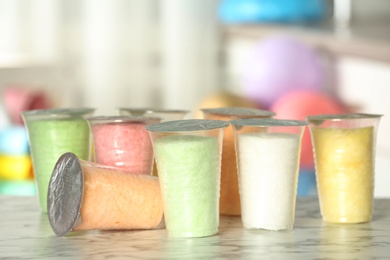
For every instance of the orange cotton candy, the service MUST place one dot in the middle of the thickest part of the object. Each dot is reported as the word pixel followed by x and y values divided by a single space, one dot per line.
pixel 230 203
pixel 119 200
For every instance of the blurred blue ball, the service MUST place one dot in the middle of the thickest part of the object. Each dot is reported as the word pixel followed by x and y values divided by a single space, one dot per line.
pixel 14 141
pixel 252 11
pixel 307 185
pixel 17 188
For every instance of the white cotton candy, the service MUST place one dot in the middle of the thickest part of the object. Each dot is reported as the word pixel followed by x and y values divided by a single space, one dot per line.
pixel 268 174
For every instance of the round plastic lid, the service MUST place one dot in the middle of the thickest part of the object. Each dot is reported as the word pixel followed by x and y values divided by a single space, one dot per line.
pixel 65 194
pixel 238 111
pixel 267 122
pixel 187 125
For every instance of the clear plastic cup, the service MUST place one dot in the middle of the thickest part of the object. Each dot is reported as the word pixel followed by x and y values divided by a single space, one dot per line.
pixel 188 157
pixel 89 196
pixel 53 132
pixel 344 153
pixel 230 196
pixel 164 114
pixel 268 153
pixel 123 142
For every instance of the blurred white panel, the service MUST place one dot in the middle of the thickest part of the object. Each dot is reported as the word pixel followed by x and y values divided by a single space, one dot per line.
pixel 140 62
pixel 99 55
pixel 236 52
pixel 365 84
pixel 44 28
pixel 118 42
pixel 14 22
pixel 190 48
pixel 342 12
pixel 382 178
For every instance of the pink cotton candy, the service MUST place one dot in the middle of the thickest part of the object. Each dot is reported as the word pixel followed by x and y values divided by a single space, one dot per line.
pixel 123 144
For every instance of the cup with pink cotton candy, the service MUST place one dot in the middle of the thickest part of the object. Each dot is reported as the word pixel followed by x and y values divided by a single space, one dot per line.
pixel 123 142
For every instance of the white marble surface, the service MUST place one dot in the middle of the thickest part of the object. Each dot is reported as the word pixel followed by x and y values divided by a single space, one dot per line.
pixel 25 233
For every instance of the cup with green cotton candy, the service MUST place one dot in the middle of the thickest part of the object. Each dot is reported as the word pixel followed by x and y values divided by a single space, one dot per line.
pixel 51 133
pixel 188 157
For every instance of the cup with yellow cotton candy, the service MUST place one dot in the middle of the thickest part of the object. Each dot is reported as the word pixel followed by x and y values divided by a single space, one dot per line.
pixel 344 153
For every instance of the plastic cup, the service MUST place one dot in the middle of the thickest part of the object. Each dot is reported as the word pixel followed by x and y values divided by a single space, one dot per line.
pixel 188 156
pixel 89 196
pixel 268 153
pixel 51 133
pixel 163 114
pixel 123 142
pixel 344 153
pixel 230 196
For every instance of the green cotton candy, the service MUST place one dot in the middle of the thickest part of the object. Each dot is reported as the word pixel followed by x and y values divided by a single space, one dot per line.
pixel 189 171
pixel 49 139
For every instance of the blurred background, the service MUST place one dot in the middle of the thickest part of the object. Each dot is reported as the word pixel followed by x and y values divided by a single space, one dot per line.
pixel 296 58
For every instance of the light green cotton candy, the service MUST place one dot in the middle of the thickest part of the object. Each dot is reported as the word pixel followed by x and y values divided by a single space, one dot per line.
pixel 49 139
pixel 189 171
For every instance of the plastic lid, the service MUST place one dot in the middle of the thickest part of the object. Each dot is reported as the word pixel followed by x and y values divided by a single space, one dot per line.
pixel 65 194
pixel 187 125
pixel 123 119
pixel 239 111
pixel 56 113
pixel 267 122
pixel 336 117
pixel 142 111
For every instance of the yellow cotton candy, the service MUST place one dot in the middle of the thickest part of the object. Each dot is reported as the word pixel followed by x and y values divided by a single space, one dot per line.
pixel 345 173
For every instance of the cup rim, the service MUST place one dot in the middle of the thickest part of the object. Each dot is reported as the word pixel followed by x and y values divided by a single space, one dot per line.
pixel 153 110
pixel 56 112
pixel 340 117
pixel 122 119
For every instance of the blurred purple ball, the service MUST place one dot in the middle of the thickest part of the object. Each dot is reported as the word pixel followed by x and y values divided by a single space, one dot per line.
pixel 278 65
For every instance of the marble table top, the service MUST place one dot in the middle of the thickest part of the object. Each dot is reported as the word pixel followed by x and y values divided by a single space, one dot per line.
pixel 26 233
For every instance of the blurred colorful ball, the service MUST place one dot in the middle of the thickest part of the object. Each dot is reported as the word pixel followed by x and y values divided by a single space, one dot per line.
pixel 307 184
pixel 15 167
pixel 251 11
pixel 17 188
pixel 14 141
pixel 278 65
pixel 299 104
pixel 19 99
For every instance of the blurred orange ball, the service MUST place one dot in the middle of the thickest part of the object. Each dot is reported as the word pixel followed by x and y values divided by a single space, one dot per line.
pixel 300 104
pixel 224 99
